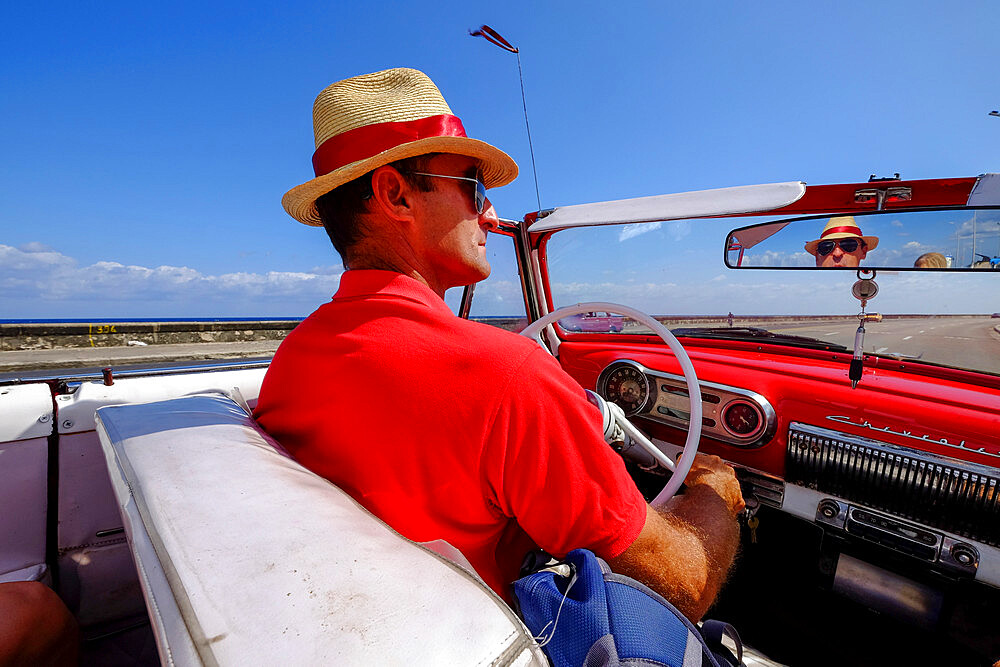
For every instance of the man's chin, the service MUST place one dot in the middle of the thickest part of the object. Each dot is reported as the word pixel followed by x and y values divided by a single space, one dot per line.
pixel 481 271
pixel 839 265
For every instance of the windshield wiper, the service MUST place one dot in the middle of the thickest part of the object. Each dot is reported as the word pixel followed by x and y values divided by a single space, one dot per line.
pixel 755 334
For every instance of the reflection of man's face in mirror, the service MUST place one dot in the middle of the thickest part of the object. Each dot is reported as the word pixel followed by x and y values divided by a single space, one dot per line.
pixel 841 252
pixel 841 244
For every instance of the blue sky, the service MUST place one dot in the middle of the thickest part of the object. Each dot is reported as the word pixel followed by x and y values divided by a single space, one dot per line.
pixel 146 146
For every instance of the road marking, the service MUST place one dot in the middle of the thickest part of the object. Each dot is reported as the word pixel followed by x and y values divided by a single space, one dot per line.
pixel 907 337
pixel 881 350
pixel 831 333
pixel 921 331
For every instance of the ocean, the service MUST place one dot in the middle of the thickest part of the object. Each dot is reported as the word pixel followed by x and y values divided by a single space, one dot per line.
pixel 115 320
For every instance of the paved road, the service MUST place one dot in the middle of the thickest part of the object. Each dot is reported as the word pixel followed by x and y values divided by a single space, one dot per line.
pixel 965 342
pixel 75 360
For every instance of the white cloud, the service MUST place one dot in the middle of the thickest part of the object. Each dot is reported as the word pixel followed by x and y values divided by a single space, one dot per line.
pixel 676 230
pixel 36 246
pixel 631 231
pixel 679 230
pixel 770 258
pixel 36 273
pixel 36 257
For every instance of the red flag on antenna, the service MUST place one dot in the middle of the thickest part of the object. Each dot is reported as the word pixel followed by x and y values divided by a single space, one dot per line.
pixel 491 35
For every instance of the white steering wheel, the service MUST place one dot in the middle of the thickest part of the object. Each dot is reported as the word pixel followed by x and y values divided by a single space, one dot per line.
pixel 534 330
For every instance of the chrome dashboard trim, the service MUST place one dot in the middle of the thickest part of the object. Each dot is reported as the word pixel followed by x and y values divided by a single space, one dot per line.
pixel 712 410
pixel 907 434
pixel 946 494
pixel 928 457
pixel 804 503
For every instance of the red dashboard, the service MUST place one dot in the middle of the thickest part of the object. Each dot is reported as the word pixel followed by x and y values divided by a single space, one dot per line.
pixel 954 414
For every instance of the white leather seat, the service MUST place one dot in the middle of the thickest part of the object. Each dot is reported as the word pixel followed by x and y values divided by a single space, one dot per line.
pixel 246 557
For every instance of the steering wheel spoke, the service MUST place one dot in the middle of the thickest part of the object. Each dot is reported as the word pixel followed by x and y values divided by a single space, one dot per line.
pixel 683 465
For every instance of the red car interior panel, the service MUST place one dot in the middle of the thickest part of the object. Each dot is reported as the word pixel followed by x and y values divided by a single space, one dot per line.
pixel 940 416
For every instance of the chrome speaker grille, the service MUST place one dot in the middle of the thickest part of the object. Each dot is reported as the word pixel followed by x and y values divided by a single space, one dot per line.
pixel 961 498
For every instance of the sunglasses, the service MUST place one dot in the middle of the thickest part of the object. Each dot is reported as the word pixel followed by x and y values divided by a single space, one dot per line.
pixel 824 248
pixel 480 188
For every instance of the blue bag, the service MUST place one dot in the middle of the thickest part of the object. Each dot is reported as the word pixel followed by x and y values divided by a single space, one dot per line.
pixel 582 613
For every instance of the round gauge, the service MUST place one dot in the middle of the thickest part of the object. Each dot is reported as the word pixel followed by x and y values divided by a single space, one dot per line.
pixel 627 387
pixel 742 419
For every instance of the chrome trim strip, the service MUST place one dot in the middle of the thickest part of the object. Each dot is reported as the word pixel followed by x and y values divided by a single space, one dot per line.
pixel 762 436
pixel 889 448
pixel 906 434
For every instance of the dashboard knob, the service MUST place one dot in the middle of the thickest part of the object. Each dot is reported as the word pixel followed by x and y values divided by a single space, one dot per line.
pixel 963 554
pixel 829 509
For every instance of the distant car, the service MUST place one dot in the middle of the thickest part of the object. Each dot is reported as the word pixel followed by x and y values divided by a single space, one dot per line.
pixel 996 315
pixel 593 322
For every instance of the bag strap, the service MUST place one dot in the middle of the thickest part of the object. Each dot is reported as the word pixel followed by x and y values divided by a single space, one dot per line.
pixel 560 570
pixel 713 631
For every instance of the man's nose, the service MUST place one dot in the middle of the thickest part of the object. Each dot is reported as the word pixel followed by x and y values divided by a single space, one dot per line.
pixel 488 218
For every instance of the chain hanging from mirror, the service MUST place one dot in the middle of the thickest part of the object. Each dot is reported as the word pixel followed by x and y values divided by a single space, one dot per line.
pixel 864 289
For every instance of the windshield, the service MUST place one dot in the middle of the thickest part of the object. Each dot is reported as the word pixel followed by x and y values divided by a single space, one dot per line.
pixel 676 272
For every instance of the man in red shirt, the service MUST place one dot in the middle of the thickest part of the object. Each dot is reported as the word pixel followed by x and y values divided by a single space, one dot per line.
pixel 445 428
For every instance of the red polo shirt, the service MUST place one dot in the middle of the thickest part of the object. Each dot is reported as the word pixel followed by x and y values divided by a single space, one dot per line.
pixel 448 429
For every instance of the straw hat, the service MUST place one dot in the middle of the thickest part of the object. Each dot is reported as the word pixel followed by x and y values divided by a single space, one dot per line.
pixel 842 227
pixel 367 121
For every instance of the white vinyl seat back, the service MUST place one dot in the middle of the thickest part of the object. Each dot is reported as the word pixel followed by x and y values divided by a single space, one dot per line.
pixel 247 558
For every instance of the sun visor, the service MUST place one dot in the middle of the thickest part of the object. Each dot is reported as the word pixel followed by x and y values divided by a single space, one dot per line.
pixel 986 191
pixel 699 204
pixel 750 237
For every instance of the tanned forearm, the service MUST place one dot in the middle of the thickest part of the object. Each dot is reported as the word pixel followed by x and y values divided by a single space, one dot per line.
pixel 709 519
pixel 686 548
pixel 685 551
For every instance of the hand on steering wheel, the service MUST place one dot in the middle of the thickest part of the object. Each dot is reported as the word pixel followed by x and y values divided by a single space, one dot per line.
pixel 682 467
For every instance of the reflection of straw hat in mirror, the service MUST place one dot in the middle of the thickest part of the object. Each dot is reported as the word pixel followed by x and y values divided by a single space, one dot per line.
pixel 842 227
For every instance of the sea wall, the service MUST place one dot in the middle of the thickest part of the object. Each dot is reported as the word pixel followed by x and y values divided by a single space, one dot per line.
pixel 47 336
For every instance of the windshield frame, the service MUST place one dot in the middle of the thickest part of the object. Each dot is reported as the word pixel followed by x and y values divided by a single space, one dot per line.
pixel 537 249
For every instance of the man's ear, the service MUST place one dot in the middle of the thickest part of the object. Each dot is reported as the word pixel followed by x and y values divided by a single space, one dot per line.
pixel 391 194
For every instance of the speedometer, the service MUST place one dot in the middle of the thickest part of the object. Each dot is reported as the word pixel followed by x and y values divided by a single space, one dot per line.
pixel 627 387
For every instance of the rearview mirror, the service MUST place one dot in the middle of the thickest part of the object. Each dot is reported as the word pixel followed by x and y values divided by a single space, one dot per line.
pixel 943 240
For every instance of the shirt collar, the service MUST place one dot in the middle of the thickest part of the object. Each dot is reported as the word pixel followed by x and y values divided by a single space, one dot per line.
pixel 372 282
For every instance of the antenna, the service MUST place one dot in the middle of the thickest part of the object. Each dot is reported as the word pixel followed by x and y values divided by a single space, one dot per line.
pixel 492 36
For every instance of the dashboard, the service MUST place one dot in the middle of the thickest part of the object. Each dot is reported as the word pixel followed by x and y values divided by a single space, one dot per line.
pixel 730 414
pixel 905 464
